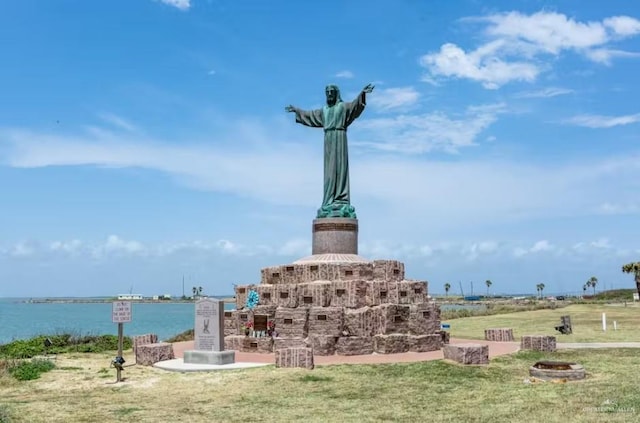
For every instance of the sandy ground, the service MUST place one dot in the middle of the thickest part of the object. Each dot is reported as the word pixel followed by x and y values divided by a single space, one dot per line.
pixel 495 349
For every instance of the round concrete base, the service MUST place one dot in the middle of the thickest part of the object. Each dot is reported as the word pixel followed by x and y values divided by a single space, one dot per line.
pixel 335 235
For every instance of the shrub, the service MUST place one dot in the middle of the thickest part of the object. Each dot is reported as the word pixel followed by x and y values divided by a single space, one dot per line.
pixel 29 370
pixel 61 343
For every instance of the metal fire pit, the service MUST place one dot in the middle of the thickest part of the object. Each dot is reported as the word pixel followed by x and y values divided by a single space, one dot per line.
pixel 557 370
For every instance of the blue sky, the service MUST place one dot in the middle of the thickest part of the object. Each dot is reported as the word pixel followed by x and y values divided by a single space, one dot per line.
pixel 143 141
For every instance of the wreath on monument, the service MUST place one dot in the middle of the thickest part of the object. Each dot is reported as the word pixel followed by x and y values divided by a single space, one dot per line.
pixel 252 299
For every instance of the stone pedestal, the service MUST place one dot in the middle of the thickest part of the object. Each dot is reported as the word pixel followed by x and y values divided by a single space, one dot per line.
pixel 209 357
pixel 335 235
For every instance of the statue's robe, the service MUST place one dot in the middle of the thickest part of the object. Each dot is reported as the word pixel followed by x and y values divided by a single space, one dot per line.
pixel 335 120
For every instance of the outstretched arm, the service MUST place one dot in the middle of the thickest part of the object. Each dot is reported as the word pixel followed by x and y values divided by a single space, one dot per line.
pixel 311 118
pixel 356 107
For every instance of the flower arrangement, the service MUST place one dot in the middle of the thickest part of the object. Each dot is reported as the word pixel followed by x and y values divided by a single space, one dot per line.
pixel 247 327
pixel 271 327
pixel 252 299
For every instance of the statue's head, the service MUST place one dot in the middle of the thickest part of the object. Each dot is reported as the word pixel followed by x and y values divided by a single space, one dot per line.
pixel 333 94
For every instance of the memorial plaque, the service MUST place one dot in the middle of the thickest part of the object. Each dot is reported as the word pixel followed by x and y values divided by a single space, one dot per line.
pixel 209 325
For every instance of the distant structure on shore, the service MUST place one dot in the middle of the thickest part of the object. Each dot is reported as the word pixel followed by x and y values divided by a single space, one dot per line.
pixel 130 297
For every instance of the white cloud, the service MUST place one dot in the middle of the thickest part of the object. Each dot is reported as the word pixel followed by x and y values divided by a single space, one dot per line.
pixel 605 55
pixel 517 43
pixel 179 4
pixel 545 93
pixel 490 70
pixel 295 248
pixel 599 121
pixel 262 171
pixel 537 247
pixel 623 25
pixel 418 134
pixel 394 98
pixel 347 74
pixel 70 247
pixel 23 249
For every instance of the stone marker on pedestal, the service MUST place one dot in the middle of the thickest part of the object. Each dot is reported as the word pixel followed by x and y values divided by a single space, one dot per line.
pixel 209 335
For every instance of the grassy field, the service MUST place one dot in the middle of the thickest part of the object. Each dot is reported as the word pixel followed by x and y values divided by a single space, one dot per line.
pixel 586 320
pixel 81 389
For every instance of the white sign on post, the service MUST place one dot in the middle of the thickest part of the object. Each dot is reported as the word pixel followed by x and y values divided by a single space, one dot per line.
pixel 121 312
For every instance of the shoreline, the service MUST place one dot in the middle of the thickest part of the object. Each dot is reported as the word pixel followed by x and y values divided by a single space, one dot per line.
pixel 111 300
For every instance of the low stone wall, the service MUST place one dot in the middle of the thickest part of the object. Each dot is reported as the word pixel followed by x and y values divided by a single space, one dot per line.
pixel 499 335
pixel 538 343
pixel 467 353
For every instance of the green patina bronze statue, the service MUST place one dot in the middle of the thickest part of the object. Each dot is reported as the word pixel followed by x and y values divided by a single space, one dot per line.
pixel 335 117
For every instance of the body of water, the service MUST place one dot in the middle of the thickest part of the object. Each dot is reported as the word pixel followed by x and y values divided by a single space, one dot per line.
pixel 22 320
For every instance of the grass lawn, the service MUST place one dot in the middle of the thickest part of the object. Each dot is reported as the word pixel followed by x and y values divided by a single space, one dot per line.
pixel 586 320
pixel 81 389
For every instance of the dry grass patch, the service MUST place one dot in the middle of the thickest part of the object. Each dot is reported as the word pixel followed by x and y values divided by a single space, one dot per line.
pixel 428 391
pixel 586 320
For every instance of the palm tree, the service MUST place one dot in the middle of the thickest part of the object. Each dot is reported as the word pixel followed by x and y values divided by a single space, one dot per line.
pixel 540 288
pixel 195 291
pixel 447 287
pixel 593 281
pixel 199 291
pixel 488 283
pixel 635 269
pixel 584 288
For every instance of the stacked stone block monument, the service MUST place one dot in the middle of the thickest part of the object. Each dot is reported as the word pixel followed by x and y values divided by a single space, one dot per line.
pixel 334 301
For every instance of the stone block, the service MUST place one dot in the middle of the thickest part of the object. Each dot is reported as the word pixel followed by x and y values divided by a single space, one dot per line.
pixel 149 354
pixel 267 294
pixel 538 343
pixel 314 294
pixel 255 345
pixel 326 321
pixel 424 318
pixel 359 322
pixel 294 357
pixel 424 343
pixel 411 292
pixel 286 295
pixel 354 345
pixel 231 322
pixel 390 318
pixel 498 334
pixel 349 294
pixel 292 322
pixel 241 295
pixel 391 344
pixel 149 338
pixel 323 344
pixel 388 270
pixel 280 343
pixel 467 353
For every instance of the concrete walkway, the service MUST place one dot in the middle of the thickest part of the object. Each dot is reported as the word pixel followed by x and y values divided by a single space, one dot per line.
pixel 495 349
pixel 577 345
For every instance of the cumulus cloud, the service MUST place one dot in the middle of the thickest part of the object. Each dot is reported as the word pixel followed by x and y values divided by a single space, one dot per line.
pixel 517 45
pixel 178 4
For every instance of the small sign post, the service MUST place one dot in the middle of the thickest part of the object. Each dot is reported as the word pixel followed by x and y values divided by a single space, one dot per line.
pixel 120 314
